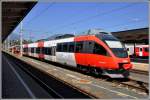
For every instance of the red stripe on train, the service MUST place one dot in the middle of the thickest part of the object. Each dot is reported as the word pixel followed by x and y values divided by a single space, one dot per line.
pixel 41 45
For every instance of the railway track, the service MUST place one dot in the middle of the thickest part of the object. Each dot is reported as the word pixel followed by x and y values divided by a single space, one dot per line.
pixel 133 84
pixel 143 86
pixel 129 83
pixel 140 72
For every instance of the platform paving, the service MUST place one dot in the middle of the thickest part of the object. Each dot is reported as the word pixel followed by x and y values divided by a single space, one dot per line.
pixel 140 66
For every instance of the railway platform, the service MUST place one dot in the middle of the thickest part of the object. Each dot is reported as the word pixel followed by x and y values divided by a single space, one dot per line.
pixel 23 81
pixel 140 66
pixel 91 85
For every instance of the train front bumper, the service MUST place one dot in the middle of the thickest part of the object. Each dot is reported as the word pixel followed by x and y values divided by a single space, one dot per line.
pixel 120 73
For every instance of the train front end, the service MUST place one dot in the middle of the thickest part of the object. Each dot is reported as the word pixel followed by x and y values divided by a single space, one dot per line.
pixel 121 61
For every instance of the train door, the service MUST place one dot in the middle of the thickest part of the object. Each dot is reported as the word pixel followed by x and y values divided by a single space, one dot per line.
pixel 140 52
pixel 41 49
pixel 80 56
pixel 128 51
pixel 59 53
pixel 70 58
pixel 137 51
pixel 34 51
pixel 53 52
pixel 88 49
pixel 146 51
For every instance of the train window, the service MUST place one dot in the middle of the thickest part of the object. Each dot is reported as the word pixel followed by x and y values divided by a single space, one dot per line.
pixel 79 47
pixel 42 50
pixel 38 50
pixel 59 47
pixel 71 47
pixel 49 51
pixel 120 52
pixel 24 49
pixel 98 49
pixel 88 46
pixel 65 47
pixel 53 51
pixel 140 49
pixel 32 50
pixel 29 49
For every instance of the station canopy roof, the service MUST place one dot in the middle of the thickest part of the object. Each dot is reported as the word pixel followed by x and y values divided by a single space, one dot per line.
pixel 12 14
pixel 134 35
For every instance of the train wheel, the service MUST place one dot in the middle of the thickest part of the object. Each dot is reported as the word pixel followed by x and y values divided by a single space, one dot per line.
pixel 85 69
pixel 96 71
pixel 126 74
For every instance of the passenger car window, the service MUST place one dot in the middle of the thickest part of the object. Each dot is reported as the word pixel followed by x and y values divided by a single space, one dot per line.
pixel 38 50
pixel 65 47
pixel 24 49
pixel 140 49
pixel 32 50
pixel 49 51
pixel 59 47
pixel 53 50
pixel 71 47
pixel 98 49
pixel 42 50
pixel 79 47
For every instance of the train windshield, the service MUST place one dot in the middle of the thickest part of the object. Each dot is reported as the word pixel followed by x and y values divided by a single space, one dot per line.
pixel 120 52
pixel 108 37
pixel 114 44
pixel 117 48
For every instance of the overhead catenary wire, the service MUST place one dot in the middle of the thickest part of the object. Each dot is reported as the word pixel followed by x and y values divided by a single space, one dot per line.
pixel 94 16
pixel 84 20
pixel 126 23
pixel 113 26
pixel 90 17
pixel 40 13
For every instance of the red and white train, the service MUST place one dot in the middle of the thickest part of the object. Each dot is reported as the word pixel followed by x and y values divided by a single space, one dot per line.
pixel 15 49
pixel 98 53
pixel 140 50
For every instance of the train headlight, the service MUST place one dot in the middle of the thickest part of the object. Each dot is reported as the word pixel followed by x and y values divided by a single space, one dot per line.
pixel 125 61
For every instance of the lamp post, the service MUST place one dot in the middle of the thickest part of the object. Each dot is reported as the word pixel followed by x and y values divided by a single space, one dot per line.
pixel 8 43
pixel 21 39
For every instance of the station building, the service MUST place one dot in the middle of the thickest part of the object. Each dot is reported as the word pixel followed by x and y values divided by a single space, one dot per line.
pixel 134 36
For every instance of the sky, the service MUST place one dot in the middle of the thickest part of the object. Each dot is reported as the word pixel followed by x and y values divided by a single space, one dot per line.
pixel 49 18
